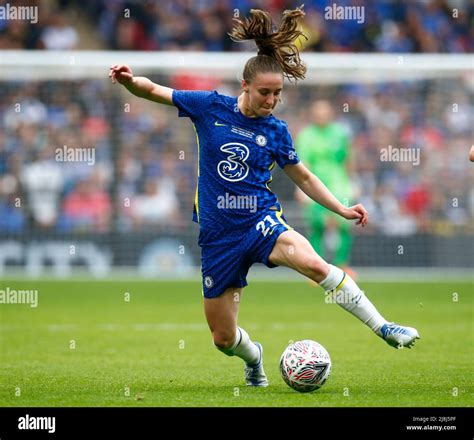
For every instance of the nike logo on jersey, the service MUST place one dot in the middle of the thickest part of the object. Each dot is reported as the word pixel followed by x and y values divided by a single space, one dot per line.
pixel 217 124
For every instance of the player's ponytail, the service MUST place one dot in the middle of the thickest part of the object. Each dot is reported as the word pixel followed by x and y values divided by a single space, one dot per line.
pixel 277 51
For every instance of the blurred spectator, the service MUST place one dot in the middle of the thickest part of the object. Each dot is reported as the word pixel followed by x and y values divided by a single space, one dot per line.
pixel 158 204
pixel 87 208
pixel 15 35
pixel 58 34
pixel 393 38
pixel 42 181
pixel 12 218
pixel 215 38
pixel 25 108
pixel 389 215
pixel 130 35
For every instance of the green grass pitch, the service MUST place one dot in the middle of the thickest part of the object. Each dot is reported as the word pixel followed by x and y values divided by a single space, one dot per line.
pixel 85 345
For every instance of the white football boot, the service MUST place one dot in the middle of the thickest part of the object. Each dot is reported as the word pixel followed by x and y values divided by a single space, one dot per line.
pixel 399 336
pixel 254 374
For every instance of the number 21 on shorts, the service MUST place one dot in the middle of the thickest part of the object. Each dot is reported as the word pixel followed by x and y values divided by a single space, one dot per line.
pixel 262 225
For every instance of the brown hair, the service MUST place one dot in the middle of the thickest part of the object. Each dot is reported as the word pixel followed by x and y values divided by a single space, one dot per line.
pixel 277 51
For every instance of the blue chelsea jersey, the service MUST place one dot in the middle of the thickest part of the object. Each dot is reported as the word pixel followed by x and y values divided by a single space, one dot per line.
pixel 236 156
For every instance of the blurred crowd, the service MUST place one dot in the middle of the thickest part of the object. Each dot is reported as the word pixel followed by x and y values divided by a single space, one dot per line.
pixel 387 26
pixel 141 170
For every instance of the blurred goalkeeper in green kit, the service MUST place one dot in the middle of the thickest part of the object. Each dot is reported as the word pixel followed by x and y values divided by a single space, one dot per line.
pixel 324 147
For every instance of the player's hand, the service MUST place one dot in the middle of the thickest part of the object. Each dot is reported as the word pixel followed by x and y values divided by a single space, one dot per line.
pixel 356 212
pixel 120 73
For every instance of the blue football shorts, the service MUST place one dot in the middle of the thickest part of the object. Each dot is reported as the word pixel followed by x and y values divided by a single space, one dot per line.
pixel 226 257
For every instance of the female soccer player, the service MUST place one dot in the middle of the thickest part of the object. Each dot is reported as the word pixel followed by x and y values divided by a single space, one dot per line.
pixel 241 221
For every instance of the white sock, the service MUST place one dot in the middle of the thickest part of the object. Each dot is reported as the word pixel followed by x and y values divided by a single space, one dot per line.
pixel 243 348
pixel 343 290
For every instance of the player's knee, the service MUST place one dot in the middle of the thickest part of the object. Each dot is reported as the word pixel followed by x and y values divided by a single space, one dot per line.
pixel 223 340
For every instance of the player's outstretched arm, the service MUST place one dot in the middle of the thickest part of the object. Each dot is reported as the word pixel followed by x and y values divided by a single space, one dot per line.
pixel 139 85
pixel 312 186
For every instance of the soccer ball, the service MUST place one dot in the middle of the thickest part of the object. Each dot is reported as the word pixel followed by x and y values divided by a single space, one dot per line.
pixel 305 366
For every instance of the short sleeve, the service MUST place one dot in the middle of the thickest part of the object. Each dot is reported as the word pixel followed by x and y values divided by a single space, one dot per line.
pixel 286 153
pixel 192 103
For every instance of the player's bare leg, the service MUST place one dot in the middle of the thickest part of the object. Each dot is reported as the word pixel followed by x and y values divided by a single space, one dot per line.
pixel 294 251
pixel 221 314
